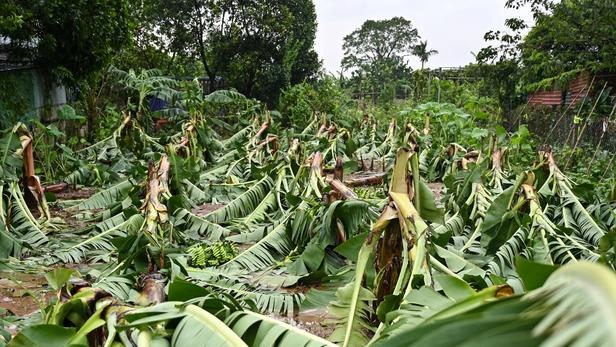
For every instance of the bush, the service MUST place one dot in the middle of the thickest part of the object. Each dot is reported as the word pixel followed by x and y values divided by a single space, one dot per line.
pixel 300 102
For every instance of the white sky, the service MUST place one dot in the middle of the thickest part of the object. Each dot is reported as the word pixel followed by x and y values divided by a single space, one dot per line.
pixel 453 27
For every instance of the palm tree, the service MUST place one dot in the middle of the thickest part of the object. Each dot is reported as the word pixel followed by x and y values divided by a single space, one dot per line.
pixel 421 50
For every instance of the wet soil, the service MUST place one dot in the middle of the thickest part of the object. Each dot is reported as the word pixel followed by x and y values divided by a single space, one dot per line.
pixel 75 194
pixel 68 217
pixel 56 210
pixel 22 293
pixel 316 321
pixel 206 208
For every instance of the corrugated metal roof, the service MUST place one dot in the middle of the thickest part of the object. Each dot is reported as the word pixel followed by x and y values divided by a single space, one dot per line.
pixel 6 65
pixel 578 89
pixel 551 98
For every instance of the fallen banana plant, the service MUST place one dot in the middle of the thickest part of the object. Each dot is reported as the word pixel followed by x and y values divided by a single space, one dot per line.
pixel 399 238
pixel 575 307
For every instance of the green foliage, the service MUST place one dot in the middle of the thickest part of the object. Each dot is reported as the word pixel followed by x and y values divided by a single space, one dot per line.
pixel 9 144
pixel 567 37
pixel 377 43
pixel 353 329
pixel 143 84
pixel 59 277
pixel 573 35
pixel 67 39
pixel 258 47
pixel 423 53
pixel 16 97
pixel 300 103
pixel 375 51
pixel 547 311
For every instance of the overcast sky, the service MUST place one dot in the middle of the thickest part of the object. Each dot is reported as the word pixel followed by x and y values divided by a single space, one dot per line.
pixel 453 27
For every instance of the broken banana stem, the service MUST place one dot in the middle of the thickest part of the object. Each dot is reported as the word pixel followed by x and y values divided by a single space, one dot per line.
pixel 339 169
pixel 344 191
pixel 497 158
pixel 155 211
pixel 56 188
pixel 366 181
pixel 33 183
pixel 262 129
pixel 317 163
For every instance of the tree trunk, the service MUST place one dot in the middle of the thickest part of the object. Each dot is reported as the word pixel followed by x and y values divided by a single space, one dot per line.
pixel 210 74
pixel 91 116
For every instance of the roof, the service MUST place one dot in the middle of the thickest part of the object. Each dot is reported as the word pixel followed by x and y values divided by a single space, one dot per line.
pixel 5 63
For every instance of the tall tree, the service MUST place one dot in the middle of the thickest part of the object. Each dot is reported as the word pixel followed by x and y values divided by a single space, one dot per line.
pixel 304 29
pixel 423 53
pixel 163 38
pixel 69 39
pixel 378 42
pixel 261 48
pixel 499 62
pixel 378 49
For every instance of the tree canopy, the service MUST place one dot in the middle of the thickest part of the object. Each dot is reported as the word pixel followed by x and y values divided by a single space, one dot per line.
pixel 379 42
pixel 566 37
pixel 258 46
pixel 423 53
pixel 70 39
pixel 574 35
pixel 376 52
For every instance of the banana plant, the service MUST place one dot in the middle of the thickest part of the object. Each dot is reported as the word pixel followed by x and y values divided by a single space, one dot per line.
pixel 140 85
pixel 574 307
pixel 574 214
pixel 86 316
pixel 20 230
pixel 399 237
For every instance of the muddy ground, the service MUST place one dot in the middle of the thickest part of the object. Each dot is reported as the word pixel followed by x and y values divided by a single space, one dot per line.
pixel 22 294
pixel 76 194
pixel 316 321
pixel 204 209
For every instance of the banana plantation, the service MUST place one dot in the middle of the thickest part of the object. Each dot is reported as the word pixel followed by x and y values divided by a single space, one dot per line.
pixel 223 227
